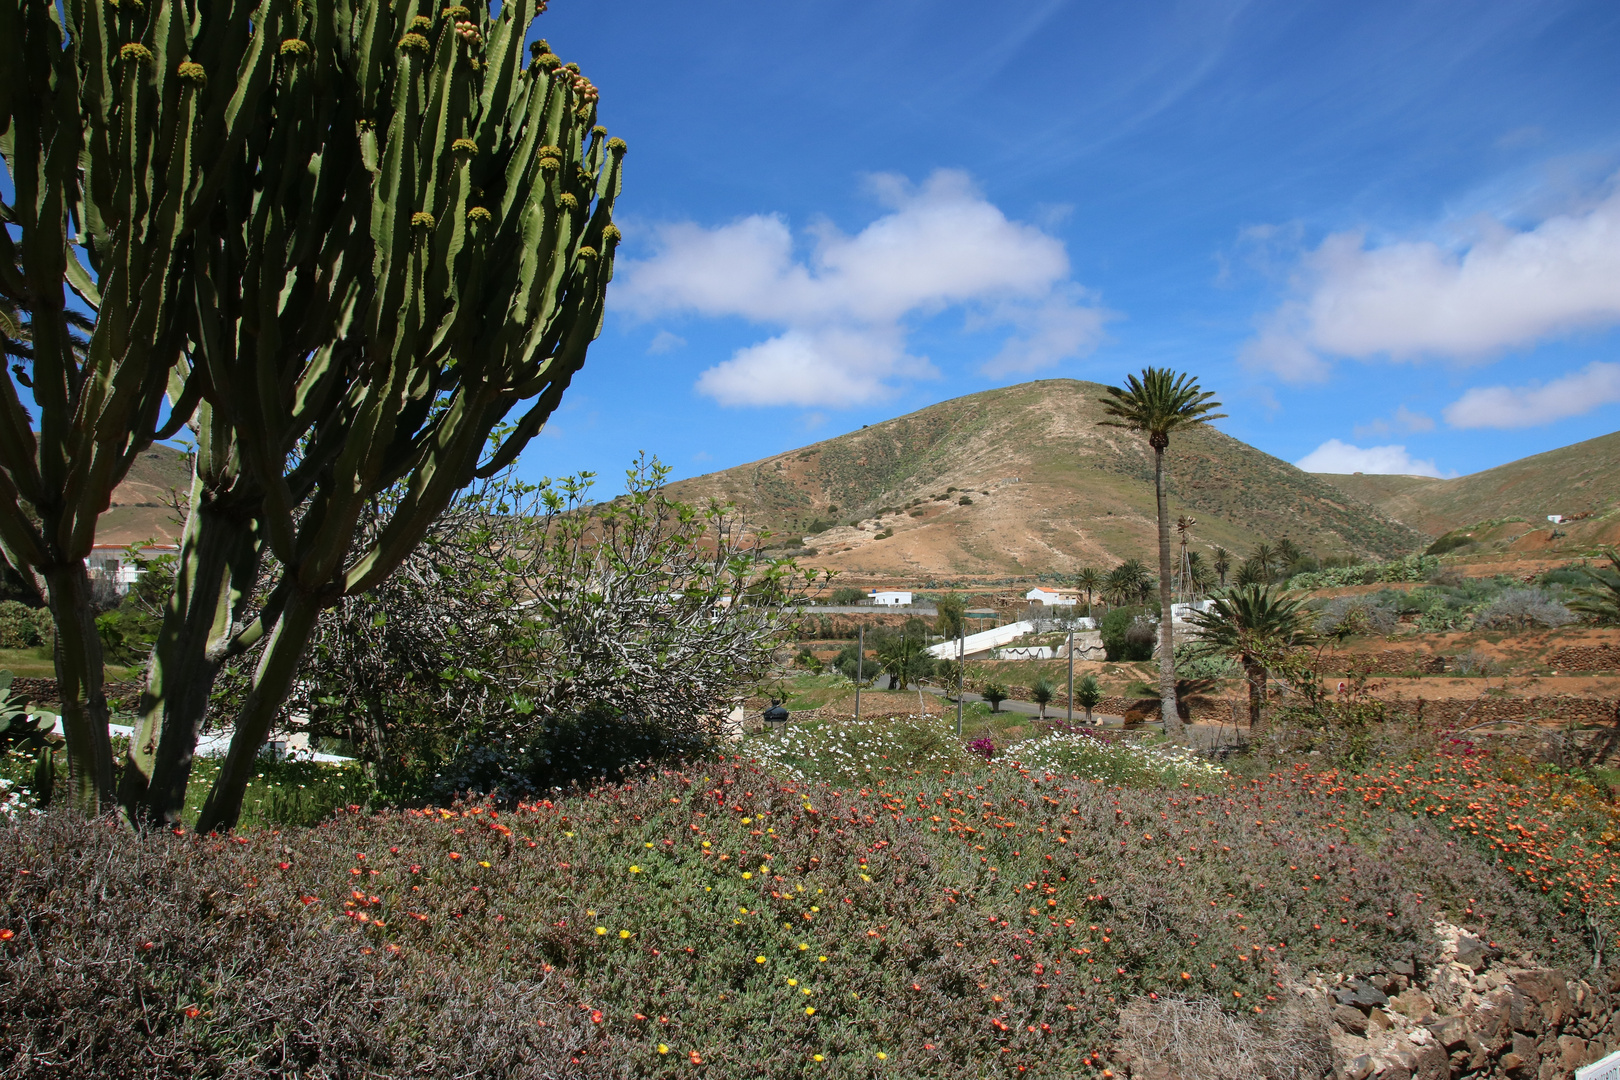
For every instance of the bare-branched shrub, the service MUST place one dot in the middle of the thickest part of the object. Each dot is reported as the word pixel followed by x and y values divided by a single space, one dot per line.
pixel 1473 662
pixel 1197 1039
pixel 534 638
pixel 1345 615
pixel 1523 608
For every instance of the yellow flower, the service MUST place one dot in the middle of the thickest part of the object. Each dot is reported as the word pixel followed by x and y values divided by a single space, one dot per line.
pixel 759 959
pixel 803 947
pixel 817 1057
pixel 705 843
pixel 814 908
pixel 865 878
pixel 821 959
pixel 747 821
pixel 601 931
pixel 746 875
pixel 624 933
pixel 485 865
pixel 635 869
pixel 881 1056
pixel 809 1010
pixel 648 844
pixel 793 982
pixel 662 1049
pixel 805 991
pixel 568 834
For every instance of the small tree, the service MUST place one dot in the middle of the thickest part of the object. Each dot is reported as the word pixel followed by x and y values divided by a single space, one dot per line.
pixel 995 694
pixel 1042 693
pixel 1257 628
pixel 1222 564
pixel 847 596
pixel 1089 580
pixel 951 620
pixel 1088 694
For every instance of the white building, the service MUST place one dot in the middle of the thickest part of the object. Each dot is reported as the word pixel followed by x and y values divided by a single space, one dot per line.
pixel 1051 597
pixel 891 598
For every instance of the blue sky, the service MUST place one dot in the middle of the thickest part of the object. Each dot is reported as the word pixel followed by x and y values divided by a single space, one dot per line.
pixel 1387 234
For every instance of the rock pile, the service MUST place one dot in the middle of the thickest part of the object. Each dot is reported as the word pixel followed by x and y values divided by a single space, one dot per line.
pixel 1475 1014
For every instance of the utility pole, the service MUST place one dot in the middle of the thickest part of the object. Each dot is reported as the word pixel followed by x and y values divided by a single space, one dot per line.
pixel 860 670
pixel 961 663
pixel 1071 674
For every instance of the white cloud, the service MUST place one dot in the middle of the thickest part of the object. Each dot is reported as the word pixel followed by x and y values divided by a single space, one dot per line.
pixel 1334 456
pixel 1403 420
pixel 664 342
pixel 1580 392
pixel 843 309
pixel 1415 299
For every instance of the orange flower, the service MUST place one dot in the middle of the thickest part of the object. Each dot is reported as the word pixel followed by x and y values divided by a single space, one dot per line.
pixel 697 1059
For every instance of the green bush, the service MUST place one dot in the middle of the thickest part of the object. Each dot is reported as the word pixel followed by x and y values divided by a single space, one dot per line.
pixel 23 627
pixel 1118 641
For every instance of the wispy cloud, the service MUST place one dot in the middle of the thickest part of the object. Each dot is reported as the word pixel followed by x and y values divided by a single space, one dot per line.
pixel 843 310
pixel 664 342
pixel 1334 456
pixel 1411 300
pixel 1404 419
pixel 1575 394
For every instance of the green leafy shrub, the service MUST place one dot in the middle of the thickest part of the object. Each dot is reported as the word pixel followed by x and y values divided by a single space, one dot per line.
pixel 24 627
pixel 1117 638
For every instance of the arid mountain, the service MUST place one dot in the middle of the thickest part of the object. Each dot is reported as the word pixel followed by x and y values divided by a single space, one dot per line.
pixel 1023 481
pixel 1580 481
pixel 143 505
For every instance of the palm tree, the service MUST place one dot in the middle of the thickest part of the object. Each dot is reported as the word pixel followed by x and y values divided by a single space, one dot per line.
pixel 1600 598
pixel 1089 579
pixel 1222 563
pixel 1042 693
pixel 1254 626
pixel 1265 559
pixel 1155 405
pixel 1088 694
pixel 1125 582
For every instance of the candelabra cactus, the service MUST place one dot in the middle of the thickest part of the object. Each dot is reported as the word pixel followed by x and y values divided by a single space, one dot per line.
pixel 418 259
pixel 114 150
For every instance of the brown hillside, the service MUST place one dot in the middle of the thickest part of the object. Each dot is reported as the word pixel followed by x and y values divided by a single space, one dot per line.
pixel 1579 479
pixel 143 505
pixel 1051 491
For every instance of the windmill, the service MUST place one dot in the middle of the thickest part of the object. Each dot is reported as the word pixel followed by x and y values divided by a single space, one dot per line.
pixel 1186 585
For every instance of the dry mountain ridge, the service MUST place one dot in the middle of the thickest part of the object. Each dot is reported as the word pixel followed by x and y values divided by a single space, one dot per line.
pixel 1583 478
pixel 1047 490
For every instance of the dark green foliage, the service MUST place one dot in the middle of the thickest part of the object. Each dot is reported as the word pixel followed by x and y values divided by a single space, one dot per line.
pixel 1088 694
pixel 1451 541
pixel 23 627
pixel 1116 635
pixel 995 693
pixel 847 596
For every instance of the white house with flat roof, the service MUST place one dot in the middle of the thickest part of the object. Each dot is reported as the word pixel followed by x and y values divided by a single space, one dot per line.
pixel 890 598
pixel 1051 597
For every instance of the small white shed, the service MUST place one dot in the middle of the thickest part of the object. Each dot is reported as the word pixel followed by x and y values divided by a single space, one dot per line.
pixel 891 598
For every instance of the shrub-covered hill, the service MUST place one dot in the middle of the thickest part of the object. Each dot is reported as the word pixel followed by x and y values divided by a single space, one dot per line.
pixel 1024 480
pixel 719 922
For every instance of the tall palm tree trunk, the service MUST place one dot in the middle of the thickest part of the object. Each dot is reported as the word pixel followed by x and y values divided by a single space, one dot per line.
pixel 1257 690
pixel 1167 641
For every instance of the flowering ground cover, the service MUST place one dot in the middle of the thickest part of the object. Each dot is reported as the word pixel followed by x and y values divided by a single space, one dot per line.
pixel 1557 834
pixel 724 920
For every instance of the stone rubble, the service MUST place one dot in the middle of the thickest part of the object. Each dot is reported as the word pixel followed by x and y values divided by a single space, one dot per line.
pixel 1475 1015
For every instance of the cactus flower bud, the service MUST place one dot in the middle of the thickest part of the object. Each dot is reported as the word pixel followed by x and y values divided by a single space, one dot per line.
pixel 192 74
pixel 479 214
pixel 586 254
pixel 421 24
pixel 598 131
pixel 422 218
pixel 464 146
pixel 135 51
pixel 414 43
pixel 455 13
pixel 548 61
pixel 568 202
pixel 549 164
pixel 295 48
pixel 611 234
pixel 617 145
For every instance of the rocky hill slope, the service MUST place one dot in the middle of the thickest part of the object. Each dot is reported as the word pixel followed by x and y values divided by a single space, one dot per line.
pixel 1581 481
pixel 1024 481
